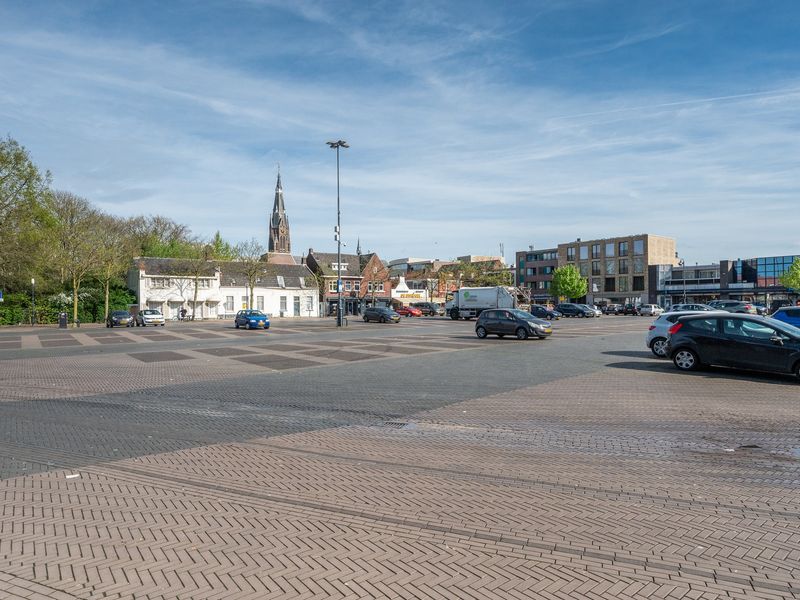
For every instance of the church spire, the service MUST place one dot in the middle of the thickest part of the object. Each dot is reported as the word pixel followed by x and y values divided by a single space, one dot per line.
pixel 358 247
pixel 279 240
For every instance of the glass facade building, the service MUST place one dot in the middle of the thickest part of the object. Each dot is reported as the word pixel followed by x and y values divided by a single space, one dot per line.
pixel 762 272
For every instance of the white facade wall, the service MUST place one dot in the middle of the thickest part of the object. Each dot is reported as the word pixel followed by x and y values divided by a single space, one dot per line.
pixel 170 293
pixel 270 301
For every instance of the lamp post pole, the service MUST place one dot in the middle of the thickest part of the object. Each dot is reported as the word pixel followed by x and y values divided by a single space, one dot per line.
pixel 682 264
pixel 338 144
pixel 33 301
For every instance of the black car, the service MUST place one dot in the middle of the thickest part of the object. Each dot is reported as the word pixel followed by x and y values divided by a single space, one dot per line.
pixel 381 315
pixel 735 340
pixel 119 318
pixel 629 309
pixel 568 309
pixel 542 312
pixel 511 321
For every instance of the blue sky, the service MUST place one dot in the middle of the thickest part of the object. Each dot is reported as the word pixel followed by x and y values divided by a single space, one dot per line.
pixel 471 123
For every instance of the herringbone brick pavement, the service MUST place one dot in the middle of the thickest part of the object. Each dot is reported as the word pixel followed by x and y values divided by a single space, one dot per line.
pixel 628 481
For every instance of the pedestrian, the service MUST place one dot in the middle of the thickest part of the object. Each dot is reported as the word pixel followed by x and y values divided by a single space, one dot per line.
pixel 797 302
pixel 183 313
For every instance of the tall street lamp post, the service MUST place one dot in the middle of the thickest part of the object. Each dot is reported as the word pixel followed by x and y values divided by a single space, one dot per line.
pixel 338 144
pixel 33 301
pixel 683 270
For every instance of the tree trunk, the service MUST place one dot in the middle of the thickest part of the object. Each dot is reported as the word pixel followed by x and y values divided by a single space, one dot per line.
pixel 75 284
pixel 194 302
pixel 106 285
pixel 252 292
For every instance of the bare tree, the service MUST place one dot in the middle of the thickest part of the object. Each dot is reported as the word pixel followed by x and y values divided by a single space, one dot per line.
pixel 78 251
pixel 252 259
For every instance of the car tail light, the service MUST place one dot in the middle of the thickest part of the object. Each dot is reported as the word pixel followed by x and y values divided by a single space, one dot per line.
pixel 674 329
pixel 651 327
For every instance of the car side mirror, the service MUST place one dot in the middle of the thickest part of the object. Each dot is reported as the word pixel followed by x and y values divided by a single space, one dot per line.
pixel 777 340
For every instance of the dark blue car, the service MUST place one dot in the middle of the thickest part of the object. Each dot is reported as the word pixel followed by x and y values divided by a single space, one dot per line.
pixel 252 319
pixel 788 314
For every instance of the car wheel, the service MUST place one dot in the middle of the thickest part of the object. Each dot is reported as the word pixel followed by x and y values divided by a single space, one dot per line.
pixel 383 320
pixel 797 370
pixel 366 319
pixel 162 324
pixel 522 334
pixel 454 314
pixel 686 360
pixel 659 347
pixel 480 332
pixel 581 315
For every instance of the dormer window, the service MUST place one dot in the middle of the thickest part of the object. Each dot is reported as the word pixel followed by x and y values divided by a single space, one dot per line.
pixel 281 282
pixel 302 282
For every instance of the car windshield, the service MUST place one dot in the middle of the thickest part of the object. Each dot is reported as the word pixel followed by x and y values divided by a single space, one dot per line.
pixel 255 313
pixel 150 312
pixel 521 314
pixel 786 328
pixel 120 313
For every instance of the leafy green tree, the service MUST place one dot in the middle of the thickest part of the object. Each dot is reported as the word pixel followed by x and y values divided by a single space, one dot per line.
pixel 24 219
pixel 76 251
pixel 114 253
pixel 160 237
pixel 567 282
pixel 222 250
pixel 791 279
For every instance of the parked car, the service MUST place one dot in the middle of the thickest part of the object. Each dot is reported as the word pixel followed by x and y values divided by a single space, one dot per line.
pixel 788 314
pixel 657 338
pixel 511 321
pixel 650 310
pixel 612 309
pixel 630 309
pixel 252 319
pixel 597 312
pixel 691 308
pixel 119 318
pixel 149 316
pixel 381 315
pixel 776 304
pixel 735 340
pixel 429 308
pixel 542 312
pixel 733 306
pixel 408 311
pixel 569 309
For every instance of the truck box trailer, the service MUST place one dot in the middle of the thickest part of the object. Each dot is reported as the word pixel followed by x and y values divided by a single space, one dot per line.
pixel 468 303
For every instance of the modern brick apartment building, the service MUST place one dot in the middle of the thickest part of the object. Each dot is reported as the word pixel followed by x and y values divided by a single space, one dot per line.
pixel 616 268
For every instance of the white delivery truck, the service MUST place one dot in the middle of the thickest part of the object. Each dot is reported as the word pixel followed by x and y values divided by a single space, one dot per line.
pixel 470 302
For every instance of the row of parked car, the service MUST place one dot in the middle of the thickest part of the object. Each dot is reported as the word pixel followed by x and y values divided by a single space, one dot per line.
pixel 143 318
pixel 693 338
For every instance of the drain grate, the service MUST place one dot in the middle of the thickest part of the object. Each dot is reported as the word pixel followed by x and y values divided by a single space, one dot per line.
pixel 395 424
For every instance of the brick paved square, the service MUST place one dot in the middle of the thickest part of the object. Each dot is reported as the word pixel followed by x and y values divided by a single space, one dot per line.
pixel 578 467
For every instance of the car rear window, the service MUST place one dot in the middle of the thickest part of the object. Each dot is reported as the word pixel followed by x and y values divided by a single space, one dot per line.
pixel 702 325
pixel 792 312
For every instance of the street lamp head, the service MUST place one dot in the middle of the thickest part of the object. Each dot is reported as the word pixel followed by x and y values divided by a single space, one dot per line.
pixel 338 144
pixel 33 281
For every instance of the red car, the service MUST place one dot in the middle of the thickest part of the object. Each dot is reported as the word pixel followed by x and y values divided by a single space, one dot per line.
pixel 408 311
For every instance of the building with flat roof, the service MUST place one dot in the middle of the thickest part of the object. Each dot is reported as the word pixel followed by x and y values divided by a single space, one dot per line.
pixel 534 270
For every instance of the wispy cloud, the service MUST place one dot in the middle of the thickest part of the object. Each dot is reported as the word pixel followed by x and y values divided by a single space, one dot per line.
pixel 453 150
